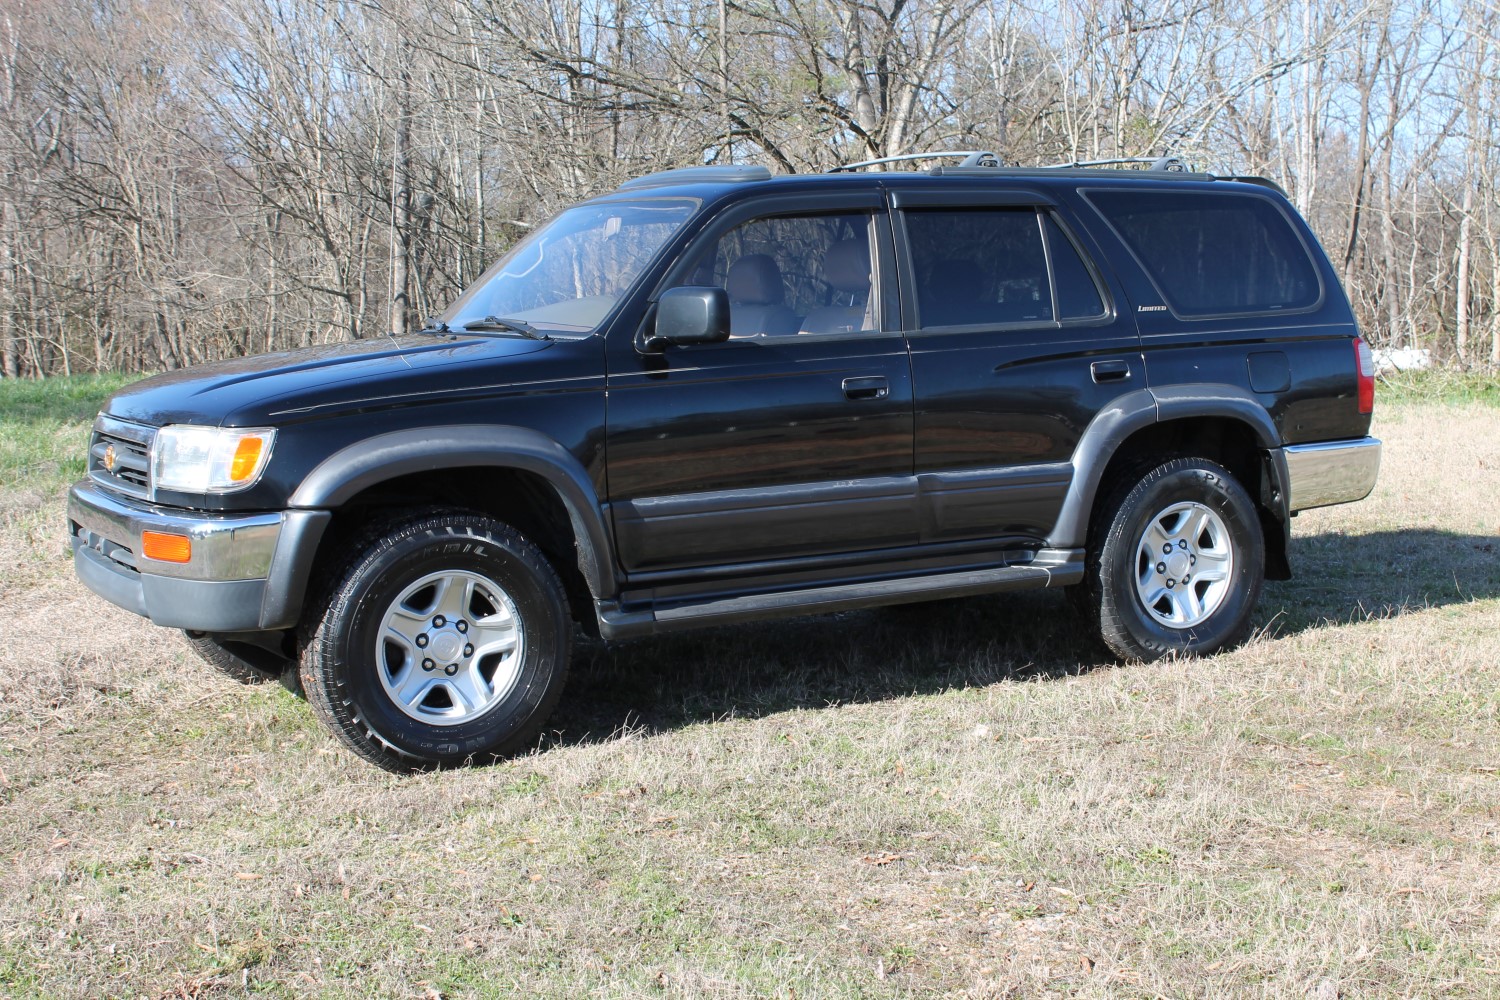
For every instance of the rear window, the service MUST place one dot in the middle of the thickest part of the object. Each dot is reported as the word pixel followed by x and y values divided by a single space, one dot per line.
pixel 1211 254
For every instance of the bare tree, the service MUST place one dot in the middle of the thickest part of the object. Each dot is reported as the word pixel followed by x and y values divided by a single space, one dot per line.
pixel 204 178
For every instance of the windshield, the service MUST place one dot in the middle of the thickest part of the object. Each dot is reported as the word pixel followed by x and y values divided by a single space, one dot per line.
pixel 566 277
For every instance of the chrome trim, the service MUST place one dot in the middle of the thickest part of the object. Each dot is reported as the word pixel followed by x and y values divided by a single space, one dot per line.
pixel 1331 472
pixel 139 435
pixel 225 546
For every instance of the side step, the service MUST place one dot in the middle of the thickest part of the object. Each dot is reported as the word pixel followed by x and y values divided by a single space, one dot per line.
pixel 1050 568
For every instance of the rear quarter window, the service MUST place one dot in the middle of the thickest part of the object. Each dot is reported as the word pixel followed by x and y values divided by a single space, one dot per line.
pixel 1214 254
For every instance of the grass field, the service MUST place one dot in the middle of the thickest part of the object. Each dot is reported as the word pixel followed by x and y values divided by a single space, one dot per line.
pixel 961 799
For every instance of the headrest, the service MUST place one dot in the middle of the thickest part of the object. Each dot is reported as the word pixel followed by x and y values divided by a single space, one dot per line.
pixel 846 266
pixel 755 280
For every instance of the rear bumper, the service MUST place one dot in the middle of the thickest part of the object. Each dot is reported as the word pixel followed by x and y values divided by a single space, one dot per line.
pixel 248 572
pixel 1330 472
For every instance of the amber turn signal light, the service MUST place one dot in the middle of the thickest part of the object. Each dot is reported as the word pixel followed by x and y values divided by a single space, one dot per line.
pixel 163 547
pixel 246 459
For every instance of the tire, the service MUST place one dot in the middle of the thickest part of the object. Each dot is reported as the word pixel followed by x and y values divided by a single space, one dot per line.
pixel 228 662
pixel 1195 595
pixel 390 664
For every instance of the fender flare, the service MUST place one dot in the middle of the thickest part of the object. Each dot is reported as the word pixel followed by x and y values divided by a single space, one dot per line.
pixel 1136 411
pixel 372 461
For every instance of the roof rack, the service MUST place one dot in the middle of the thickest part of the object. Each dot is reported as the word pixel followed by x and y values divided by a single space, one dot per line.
pixel 719 174
pixel 973 162
pixel 971 158
pixel 1171 164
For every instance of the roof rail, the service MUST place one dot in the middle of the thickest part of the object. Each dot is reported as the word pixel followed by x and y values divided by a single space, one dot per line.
pixel 971 158
pixel 1171 164
pixel 720 174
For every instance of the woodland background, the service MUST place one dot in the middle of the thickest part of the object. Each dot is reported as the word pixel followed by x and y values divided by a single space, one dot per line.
pixel 182 180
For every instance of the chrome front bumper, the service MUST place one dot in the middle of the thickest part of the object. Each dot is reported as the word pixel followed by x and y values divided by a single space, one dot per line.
pixel 1330 472
pixel 248 572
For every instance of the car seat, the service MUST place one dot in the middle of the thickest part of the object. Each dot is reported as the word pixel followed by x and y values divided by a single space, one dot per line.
pixel 756 294
pixel 846 266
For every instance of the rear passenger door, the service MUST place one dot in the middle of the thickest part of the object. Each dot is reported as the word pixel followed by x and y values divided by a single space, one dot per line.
pixel 1017 342
pixel 791 440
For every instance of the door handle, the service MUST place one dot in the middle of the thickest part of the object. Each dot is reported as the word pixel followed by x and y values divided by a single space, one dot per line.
pixel 867 387
pixel 1110 371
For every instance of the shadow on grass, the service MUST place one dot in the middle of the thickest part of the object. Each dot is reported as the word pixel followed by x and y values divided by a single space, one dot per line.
pixel 671 681
pixel 1339 578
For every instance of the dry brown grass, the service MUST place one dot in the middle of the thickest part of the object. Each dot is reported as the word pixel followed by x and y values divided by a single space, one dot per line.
pixel 963 800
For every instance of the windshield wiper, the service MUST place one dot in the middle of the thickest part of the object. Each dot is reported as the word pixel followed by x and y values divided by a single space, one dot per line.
pixel 499 323
pixel 435 325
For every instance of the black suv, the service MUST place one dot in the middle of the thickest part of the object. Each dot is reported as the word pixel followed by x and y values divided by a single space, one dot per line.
pixel 715 395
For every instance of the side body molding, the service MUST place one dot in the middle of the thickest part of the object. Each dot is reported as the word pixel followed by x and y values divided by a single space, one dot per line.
pixel 357 467
pixel 1135 411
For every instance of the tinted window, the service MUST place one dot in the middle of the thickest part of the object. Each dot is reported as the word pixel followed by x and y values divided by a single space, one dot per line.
pixel 1214 253
pixel 793 274
pixel 1077 295
pixel 979 266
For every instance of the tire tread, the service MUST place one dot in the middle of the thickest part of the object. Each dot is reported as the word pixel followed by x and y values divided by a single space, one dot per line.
pixel 334 589
pixel 1109 541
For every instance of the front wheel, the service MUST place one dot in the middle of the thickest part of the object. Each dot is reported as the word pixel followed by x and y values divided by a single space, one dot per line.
pixel 241 662
pixel 444 641
pixel 1176 562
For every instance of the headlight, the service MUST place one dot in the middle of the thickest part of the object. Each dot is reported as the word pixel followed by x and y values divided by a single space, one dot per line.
pixel 209 459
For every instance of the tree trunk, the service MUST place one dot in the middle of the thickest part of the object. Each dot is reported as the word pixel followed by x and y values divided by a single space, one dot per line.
pixel 1495 308
pixel 401 207
pixel 9 299
pixel 1465 239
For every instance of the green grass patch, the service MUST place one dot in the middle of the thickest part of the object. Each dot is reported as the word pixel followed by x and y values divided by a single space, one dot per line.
pixel 44 425
pixel 1440 385
pixel 61 399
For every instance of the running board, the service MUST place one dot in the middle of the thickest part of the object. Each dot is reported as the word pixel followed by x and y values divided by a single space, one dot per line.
pixel 1050 568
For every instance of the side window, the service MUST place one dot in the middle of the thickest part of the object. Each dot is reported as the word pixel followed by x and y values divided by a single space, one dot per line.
pixel 1214 253
pixel 1077 294
pixel 793 274
pixel 979 266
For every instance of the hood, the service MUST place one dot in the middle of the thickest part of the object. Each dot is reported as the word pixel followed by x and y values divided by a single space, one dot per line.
pixel 273 388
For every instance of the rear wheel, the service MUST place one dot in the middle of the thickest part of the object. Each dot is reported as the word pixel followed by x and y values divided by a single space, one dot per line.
pixel 1176 562
pixel 445 641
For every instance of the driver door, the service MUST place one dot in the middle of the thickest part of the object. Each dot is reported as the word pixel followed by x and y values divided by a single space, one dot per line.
pixel 793 439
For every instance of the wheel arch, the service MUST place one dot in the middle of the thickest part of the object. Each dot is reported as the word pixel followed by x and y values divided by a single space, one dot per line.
pixel 1223 423
pixel 506 467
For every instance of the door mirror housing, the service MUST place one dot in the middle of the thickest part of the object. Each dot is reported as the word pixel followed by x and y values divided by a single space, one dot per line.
pixel 690 315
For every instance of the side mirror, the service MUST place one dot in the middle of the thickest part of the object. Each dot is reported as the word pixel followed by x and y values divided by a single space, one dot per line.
pixel 690 315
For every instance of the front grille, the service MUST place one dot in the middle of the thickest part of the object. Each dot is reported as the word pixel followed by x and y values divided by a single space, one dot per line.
pixel 130 447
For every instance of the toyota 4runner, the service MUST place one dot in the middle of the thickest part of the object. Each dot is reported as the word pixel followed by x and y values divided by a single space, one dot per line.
pixel 716 395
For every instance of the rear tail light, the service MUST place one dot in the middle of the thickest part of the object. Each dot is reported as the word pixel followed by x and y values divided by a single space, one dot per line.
pixel 1365 362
